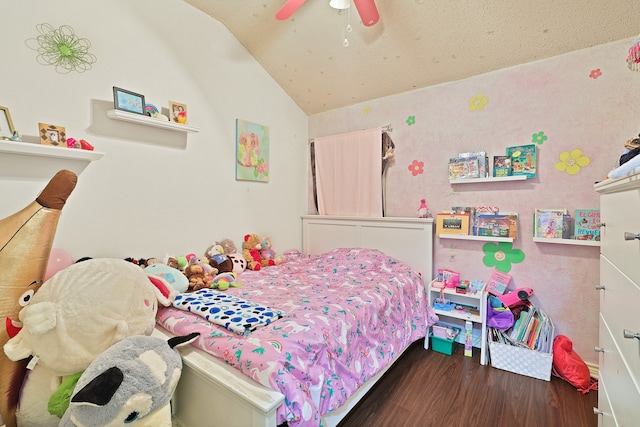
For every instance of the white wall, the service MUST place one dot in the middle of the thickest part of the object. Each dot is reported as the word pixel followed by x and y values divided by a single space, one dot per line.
pixel 154 192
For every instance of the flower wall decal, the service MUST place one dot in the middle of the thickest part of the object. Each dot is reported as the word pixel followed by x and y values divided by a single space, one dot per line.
pixel 501 255
pixel 62 48
pixel 595 73
pixel 572 162
pixel 366 110
pixel 411 120
pixel 416 167
pixel 538 138
pixel 478 102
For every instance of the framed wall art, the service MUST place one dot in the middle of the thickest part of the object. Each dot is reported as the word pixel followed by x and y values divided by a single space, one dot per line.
pixel 126 100
pixel 252 151
pixel 52 135
pixel 6 125
pixel 178 112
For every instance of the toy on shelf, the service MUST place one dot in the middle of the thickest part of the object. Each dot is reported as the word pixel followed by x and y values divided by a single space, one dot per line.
pixel 423 210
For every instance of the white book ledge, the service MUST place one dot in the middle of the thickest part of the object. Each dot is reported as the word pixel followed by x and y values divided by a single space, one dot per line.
pixel 149 121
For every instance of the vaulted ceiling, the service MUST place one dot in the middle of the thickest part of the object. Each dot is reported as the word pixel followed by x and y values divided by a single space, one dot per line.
pixel 415 44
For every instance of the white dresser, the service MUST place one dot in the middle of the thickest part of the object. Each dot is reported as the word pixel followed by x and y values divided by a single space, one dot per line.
pixel 619 342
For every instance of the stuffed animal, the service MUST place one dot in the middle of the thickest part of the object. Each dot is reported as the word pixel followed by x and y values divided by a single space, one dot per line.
pixel 197 277
pixel 130 383
pixel 26 239
pixel 251 251
pixel 239 263
pixel 267 253
pixel 218 257
pixel 75 316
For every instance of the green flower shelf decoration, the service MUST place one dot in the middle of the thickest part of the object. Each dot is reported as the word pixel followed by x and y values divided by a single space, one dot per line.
pixel 501 255
pixel 62 48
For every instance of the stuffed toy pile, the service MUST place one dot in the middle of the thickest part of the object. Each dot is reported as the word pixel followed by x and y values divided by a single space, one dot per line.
pixel 26 238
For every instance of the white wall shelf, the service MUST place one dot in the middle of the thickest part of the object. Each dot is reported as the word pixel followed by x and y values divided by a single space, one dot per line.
pixel 567 241
pixel 479 238
pixel 149 121
pixel 31 149
pixel 488 179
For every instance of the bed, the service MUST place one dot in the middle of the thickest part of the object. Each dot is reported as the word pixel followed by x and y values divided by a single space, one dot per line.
pixel 352 301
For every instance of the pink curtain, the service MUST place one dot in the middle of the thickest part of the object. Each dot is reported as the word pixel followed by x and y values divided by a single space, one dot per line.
pixel 349 173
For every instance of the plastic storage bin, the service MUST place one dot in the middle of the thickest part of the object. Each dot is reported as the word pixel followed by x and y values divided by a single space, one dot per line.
pixel 444 345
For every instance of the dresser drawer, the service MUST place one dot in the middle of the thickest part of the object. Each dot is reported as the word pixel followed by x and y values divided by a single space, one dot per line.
pixel 620 308
pixel 622 394
pixel 621 213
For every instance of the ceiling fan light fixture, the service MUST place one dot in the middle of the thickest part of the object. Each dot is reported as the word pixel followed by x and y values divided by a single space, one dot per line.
pixel 340 4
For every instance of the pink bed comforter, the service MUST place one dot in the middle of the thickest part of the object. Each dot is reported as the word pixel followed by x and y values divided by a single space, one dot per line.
pixel 349 313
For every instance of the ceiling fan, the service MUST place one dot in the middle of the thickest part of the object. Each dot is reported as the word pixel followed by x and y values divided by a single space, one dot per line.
pixel 366 9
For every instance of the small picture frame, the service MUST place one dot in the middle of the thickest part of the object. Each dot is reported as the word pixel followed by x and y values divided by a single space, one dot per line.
pixel 6 125
pixel 178 112
pixel 52 135
pixel 126 100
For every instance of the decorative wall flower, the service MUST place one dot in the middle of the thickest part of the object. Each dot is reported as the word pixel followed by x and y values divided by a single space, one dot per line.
pixel 572 162
pixel 411 120
pixel 478 102
pixel 62 48
pixel 501 255
pixel 416 167
pixel 538 138
pixel 366 110
pixel 595 73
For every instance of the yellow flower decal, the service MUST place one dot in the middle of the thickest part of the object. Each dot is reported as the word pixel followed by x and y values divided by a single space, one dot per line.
pixel 572 162
pixel 366 110
pixel 478 102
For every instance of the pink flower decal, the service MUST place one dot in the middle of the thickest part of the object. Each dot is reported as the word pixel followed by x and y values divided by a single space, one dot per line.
pixel 595 73
pixel 416 167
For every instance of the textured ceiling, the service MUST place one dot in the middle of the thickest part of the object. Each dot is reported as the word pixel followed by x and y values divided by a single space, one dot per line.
pixel 416 43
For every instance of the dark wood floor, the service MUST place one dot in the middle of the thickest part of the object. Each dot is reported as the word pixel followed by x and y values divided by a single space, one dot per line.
pixel 426 388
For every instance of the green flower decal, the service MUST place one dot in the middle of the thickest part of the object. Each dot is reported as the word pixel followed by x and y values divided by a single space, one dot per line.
pixel 501 255
pixel 572 162
pixel 478 102
pixel 411 120
pixel 538 138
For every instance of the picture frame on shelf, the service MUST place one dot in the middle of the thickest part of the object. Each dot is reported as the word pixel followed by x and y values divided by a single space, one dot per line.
pixel 126 100
pixel 52 135
pixel 6 125
pixel 178 112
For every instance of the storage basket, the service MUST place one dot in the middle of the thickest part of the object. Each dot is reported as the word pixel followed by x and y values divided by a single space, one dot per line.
pixel 521 360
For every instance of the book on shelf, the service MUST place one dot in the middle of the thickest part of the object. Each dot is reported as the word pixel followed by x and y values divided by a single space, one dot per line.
pixel 586 224
pixel 451 223
pixel 463 168
pixel 483 161
pixel 500 224
pixel 523 159
pixel 501 166
pixel 549 223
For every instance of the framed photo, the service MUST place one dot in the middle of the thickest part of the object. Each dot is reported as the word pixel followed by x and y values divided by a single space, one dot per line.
pixel 252 151
pixel 52 135
pixel 6 125
pixel 178 112
pixel 128 101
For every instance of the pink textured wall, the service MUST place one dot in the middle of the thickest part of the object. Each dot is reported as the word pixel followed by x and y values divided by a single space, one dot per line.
pixel 586 100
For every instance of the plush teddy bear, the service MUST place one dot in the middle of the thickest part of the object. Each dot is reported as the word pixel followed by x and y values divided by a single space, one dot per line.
pixel 267 253
pixel 251 247
pixel 197 277
pixel 218 257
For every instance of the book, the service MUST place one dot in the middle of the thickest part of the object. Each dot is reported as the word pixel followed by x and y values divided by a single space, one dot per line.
pixel 549 223
pixel 449 223
pixel 463 168
pixel 501 165
pixel 483 161
pixel 498 283
pixel 501 224
pixel 523 159
pixel 586 224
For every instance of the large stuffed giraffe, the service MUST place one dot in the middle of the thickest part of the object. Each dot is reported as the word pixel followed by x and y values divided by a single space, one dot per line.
pixel 26 238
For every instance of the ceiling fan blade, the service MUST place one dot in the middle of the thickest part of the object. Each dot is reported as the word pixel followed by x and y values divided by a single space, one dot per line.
pixel 288 9
pixel 368 11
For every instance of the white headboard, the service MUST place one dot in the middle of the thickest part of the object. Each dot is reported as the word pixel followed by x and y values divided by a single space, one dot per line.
pixel 407 239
